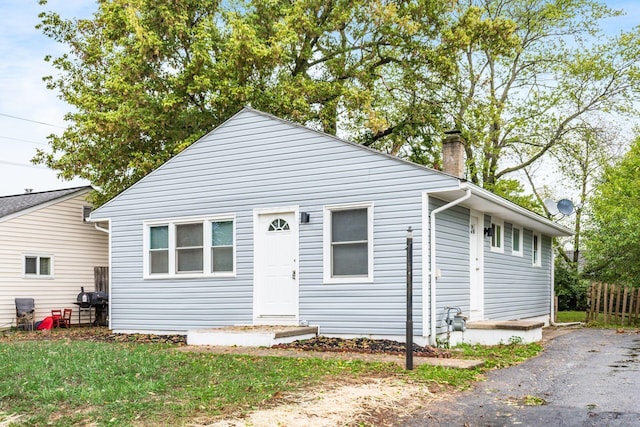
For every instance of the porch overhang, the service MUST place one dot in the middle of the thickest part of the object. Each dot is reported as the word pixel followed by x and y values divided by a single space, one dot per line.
pixel 493 205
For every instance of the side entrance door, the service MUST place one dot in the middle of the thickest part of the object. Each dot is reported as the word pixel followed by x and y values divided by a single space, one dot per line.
pixel 476 266
pixel 275 267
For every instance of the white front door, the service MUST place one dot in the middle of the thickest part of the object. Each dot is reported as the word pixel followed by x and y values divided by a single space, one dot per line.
pixel 476 267
pixel 276 267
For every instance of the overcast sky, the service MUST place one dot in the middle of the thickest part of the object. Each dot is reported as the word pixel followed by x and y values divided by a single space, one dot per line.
pixel 29 112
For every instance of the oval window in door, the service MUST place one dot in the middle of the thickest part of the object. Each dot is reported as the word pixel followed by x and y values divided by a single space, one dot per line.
pixel 279 224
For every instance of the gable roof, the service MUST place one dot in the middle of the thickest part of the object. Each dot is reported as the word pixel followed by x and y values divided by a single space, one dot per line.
pixel 481 199
pixel 10 205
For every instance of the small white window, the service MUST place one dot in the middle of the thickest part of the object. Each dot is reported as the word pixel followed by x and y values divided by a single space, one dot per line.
pixel 497 236
pixel 516 241
pixel 348 243
pixel 38 266
pixel 536 250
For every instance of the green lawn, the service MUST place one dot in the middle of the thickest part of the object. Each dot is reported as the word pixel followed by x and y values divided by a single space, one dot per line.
pixel 570 316
pixel 63 382
pixel 580 316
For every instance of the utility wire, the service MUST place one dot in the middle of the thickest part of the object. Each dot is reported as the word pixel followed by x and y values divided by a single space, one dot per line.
pixel 23 140
pixel 24 165
pixel 29 120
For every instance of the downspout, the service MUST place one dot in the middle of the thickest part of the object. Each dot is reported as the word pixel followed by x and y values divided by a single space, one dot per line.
pixel 97 227
pixel 432 263
pixel 553 286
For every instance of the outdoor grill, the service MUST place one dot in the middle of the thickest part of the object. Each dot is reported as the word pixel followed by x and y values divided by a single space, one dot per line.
pixel 99 301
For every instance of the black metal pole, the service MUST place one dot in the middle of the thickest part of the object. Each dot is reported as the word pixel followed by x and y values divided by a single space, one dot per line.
pixel 409 340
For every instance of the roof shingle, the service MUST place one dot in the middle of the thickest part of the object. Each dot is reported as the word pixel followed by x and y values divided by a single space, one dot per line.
pixel 13 204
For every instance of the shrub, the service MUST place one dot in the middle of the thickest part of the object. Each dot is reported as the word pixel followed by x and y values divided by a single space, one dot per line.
pixel 570 288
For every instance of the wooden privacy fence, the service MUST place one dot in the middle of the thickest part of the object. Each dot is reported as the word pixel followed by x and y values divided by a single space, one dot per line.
pixel 101 278
pixel 613 304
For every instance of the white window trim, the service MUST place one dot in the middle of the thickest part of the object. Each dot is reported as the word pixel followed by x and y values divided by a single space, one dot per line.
pixel 38 275
pixel 206 239
pixel 326 262
pixel 497 223
pixel 519 252
pixel 538 262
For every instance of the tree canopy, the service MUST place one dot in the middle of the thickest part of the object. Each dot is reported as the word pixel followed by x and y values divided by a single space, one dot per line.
pixel 613 245
pixel 531 73
pixel 147 78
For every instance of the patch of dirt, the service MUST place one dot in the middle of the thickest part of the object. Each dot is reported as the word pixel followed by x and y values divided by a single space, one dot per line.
pixel 375 401
pixel 362 345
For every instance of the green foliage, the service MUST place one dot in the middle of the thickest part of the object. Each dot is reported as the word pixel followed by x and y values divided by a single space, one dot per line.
pixel 513 190
pixel 147 78
pixel 515 340
pixel 613 246
pixel 570 288
pixel 507 51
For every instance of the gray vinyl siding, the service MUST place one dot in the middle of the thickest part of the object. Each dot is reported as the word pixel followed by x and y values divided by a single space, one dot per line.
pixel 513 287
pixel 256 161
pixel 452 259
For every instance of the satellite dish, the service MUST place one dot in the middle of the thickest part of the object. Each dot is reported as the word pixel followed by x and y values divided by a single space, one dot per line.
pixel 551 206
pixel 565 206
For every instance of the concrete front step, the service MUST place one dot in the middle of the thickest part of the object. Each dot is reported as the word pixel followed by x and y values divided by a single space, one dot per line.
pixel 250 335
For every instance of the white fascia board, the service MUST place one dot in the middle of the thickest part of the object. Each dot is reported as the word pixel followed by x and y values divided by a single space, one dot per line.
pixel 491 204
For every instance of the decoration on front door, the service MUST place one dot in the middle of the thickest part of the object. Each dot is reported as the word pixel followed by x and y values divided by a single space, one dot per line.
pixel 279 224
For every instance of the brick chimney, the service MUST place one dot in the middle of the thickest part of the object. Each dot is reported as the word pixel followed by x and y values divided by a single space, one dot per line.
pixel 453 154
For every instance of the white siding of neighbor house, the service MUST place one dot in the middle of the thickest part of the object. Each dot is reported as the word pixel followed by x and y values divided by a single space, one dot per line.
pixel 57 230
pixel 257 161
pixel 513 287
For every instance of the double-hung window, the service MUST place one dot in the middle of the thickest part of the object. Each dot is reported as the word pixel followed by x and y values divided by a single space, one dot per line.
pixel 348 243
pixel 189 257
pixel 497 236
pixel 221 246
pixel 159 249
pixel 190 248
pixel 38 266
pixel 536 250
pixel 516 241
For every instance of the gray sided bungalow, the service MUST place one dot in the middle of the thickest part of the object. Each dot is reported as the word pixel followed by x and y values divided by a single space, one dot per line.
pixel 263 221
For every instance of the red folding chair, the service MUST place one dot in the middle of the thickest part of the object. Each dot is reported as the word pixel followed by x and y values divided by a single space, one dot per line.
pixel 65 321
pixel 57 317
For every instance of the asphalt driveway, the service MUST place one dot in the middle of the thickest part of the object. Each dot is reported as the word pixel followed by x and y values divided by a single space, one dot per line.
pixel 589 377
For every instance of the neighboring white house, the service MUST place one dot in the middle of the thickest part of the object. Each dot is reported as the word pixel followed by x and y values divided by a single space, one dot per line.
pixel 48 250
pixel 263 221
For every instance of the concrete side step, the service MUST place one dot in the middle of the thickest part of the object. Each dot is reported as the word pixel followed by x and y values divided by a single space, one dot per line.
pixel 514 325
pixel 493 332
pixel 250 336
